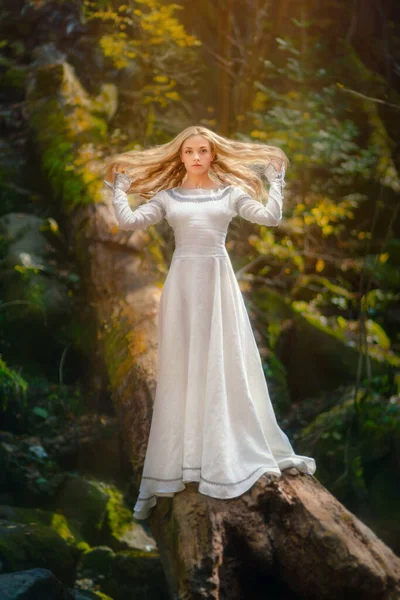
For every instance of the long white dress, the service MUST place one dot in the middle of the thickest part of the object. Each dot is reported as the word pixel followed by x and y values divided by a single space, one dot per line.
pixel 213 421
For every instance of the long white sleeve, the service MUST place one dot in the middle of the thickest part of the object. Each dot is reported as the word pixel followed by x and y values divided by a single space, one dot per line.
pixel 257 212
pixel 144 215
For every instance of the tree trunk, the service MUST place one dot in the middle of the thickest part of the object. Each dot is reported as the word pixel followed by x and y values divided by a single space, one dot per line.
pixel 224 49
pixel 286 537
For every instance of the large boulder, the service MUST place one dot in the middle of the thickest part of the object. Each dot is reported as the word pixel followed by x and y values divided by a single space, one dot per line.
pixel 32 584
pixel 315 354
pixel 82 499
pixel 68 529
pixel 103 514
pixel 125 574
pixel 41 584
pixel 35 545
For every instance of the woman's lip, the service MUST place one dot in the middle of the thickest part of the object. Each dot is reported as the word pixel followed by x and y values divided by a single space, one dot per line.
pixel 197 165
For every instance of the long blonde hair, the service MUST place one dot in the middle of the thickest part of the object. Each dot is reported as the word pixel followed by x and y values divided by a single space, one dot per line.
pixel 160 167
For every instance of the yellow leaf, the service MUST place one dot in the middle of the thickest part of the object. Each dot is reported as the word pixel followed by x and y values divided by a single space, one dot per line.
pixel 308 219
pixel 320 265
pixel 172 95
pixel 383 257
pixel 327 230
pixel 244 286
pixel 258 134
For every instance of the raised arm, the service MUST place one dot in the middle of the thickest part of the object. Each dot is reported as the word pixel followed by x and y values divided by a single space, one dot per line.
pixel 148 213
pixel 257 212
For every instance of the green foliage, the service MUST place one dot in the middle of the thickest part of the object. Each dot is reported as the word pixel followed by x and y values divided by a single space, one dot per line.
pixel 153 23
pixel 31 403
pixel 29 471
pixel 324 258
pixel 148 40
pixel 70 126
pixel 353 444
pixel 13 387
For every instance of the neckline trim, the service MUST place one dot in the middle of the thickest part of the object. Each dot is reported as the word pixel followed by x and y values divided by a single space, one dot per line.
pixel 190 191
pixel 199 194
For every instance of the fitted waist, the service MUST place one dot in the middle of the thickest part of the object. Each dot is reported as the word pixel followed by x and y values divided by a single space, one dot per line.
pixel 200 242
pixel 199 250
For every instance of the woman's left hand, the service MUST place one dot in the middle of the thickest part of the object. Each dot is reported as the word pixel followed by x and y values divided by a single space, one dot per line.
pixel 122 182
pixel 275 173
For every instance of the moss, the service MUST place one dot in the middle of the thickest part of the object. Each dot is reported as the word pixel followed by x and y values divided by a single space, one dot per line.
pixel 14 77
pixel 68 133
pixel 83 500
pixel 118 521
pixel 83 547
pixel 13 387
pixel 67 530
pixel 102 596
pixel 34 545
pixel 119 516
pixel 123 344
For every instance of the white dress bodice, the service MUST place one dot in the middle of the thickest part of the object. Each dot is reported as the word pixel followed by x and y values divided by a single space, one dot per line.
pixel 199 217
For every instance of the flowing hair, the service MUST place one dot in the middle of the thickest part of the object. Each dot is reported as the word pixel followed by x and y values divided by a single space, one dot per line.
pixel 160 167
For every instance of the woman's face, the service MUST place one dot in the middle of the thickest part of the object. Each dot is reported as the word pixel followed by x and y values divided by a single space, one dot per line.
pixel 196 154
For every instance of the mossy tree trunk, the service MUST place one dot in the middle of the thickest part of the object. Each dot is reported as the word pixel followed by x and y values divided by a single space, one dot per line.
pixel 120 272
pixel 285 538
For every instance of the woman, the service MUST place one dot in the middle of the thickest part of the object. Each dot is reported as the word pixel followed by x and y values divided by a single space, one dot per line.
pixel 213 421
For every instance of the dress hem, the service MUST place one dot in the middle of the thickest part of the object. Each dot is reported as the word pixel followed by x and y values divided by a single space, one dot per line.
pixel 150 492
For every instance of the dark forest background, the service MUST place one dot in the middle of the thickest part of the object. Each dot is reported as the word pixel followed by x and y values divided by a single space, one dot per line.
pixel 320 79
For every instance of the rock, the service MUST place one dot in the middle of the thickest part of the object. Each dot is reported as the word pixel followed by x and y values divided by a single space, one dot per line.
pixel 317 357
pixel 104 516
pixel 98 560
pixel 139 571
pixel 41 584
pixel 68 529
pixel 32 584
pixel 122 575
pixel 83 499
pixel 35 546
pixel 120 531
pixel 88 595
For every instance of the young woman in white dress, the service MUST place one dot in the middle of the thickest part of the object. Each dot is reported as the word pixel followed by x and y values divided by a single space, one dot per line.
pixel 213 421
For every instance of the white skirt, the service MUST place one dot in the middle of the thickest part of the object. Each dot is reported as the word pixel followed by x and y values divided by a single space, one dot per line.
pixel 213 421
